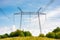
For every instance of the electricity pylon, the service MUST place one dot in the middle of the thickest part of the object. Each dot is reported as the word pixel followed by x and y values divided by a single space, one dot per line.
pixel 40 12
pixel 20 16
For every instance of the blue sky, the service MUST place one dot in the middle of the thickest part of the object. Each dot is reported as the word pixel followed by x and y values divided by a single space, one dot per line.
pixel 10 6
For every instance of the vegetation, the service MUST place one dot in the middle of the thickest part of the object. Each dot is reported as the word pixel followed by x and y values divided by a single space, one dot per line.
pixel 50 35
pixel 27 38
pixel 17 33
pixel 57 35
pixel 41 35
pixel 54 34
pixel 27 35
pixel 56 30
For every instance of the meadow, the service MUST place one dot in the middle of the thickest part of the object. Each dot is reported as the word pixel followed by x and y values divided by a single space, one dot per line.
pixel 28 38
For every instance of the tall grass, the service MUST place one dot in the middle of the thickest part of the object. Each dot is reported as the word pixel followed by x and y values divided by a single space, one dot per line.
pixel 27 38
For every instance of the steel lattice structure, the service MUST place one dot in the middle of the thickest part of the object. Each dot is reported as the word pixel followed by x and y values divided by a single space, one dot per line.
pixel 38 13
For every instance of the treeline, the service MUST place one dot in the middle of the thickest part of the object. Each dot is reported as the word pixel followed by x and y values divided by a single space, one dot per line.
pixel 17 33
pixel 54 34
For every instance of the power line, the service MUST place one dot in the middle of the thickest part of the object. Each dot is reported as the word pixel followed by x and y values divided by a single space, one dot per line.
pixel 4 13
pixel 47 5
pixel 41 12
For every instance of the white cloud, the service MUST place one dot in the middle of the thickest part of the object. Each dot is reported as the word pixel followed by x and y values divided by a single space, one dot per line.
pixel 53 12
pixel 7 29
pixel 47 25
pixel 14 28
pixel 33 26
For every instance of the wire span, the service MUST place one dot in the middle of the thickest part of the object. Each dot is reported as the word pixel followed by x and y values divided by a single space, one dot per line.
pixel 4 13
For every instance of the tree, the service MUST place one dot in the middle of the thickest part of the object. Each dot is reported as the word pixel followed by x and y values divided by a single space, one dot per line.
pixel 12 34
pixel 57 35
pixel 50 35
pixel 56 30
pixel 17 33
pixel 54 34
pixel 0 36
pixel 27 33
pixel 4 35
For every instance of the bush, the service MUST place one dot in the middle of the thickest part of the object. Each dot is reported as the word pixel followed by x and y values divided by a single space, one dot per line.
pixel 0 36
pixel 27 33
pixel 57 35
pixel 56 30
pixel 41 35
pixel 54 34
pixel 50 35
pixel 12 34
pixel 4 36
pixel 20 33
pixel 17 33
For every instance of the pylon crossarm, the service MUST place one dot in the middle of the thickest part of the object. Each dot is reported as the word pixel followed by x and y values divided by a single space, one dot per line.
pixel 30 13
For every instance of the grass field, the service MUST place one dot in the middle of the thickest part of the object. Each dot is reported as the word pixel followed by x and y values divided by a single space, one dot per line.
pixel 27 38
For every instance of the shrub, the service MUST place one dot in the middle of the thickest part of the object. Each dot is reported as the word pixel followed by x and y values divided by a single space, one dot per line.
pixel 41 35
pixel 12 34
pixel 27 33
pixel 57 35
pixel 4 35
pixel 50 35
pixel 17 33
pixel 56 30
pixel 0 36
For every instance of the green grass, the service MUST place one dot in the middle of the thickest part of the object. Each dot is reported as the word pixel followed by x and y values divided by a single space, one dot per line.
pixel 27 38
